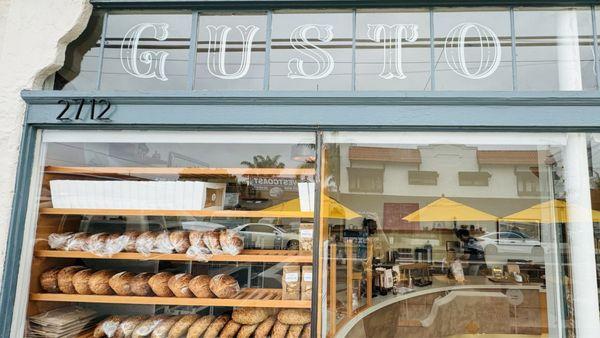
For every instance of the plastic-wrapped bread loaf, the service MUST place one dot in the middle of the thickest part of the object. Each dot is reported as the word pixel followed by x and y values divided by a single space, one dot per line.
pixel 294 316
pixel 180 329
pixel 144 243
pixel 121 283
pixel 306 331
pixel 294 331
pixel 249 315
pixel 96 243
pixel 180 240
pixel 59 241
pixel 65 279
pixel 224 286
pixel 98 282
pixel 49 280
pixel 107 327
pixel 131 240
pixel 163 243
pixel 115 243
pixel 127 326
pixel 160 284
pixel 279 330
pixel 179 285
pixel 195 238
pixel 216 326
pixel 231 242
pixel 199 326
pixel 200 287
pixel 81 281
pixel 198 250
pixel 77 242
pixel 264 329
pixel 146 327
pixel 162 329
pixel 212 241
pixel 246 331
pixel 140 286
pixel 230 330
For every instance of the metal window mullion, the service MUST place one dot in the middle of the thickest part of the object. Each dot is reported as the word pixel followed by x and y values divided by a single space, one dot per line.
pixel 101 51
pixel 513 48
pixel 267 74
pixel 317 235
pixel 192 52
pixel 354 50
pixel 431 50
pixel 595 49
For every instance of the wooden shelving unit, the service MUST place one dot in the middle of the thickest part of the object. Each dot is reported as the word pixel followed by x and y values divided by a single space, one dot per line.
pixel 196 213
pixel 267 298
pixel 258 256
pixel 134 171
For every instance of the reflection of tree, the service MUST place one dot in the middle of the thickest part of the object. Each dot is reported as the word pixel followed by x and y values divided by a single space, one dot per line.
pixel 260 161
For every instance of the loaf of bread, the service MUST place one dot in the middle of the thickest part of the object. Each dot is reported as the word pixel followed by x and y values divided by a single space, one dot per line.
pixel 199 327
pixel 163 243
pixel 125 329
pixel 264 328
pixel 246 331
pixel 107 327
pixel 162 329
pixel 294 331
pixel 140 286
pixel 306 331
pixel 115 243
pixel 81 281
pixel 98 282
pixel 146 327
pixel 212 241
pixel 49 280
pixel 181 327
pixel 160 284
pixel 144 243
pixel 231 242
pixel 96 243
pixel 179 285
pixel 200 286
pixel 224 286
pixel 249 315
pixel 121 283
pixel 230 330
pixel 59 241
pixel 279 330
pixel 195 238
pixel 65 278
pixel 77 242
pixel 216 326
pixel 294 316
pixel 180 240
pixel 131 240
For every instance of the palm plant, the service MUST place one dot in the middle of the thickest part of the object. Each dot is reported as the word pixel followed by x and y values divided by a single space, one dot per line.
pixel 260 161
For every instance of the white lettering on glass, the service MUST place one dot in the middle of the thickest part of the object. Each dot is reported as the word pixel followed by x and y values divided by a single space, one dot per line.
pixel 391 36
pixel 216 64
pixel 490 51
pixel 323 60
pixel 155 61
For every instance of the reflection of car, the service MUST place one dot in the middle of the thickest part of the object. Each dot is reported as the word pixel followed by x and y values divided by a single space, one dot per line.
pixel 509 242
pixel 267 236
pixel 201 226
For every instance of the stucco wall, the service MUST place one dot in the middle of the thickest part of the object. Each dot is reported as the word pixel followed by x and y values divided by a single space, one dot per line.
pixel 33 38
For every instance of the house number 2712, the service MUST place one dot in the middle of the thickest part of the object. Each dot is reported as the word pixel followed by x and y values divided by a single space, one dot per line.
pixel 98 109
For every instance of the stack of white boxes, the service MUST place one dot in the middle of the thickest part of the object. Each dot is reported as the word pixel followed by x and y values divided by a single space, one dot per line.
pixel 146 195
pixel 306 191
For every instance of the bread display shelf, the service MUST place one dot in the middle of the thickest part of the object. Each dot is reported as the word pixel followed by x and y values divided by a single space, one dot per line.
pixel 196 213
pixel 249 297
pixel 259 256
pixel 133 171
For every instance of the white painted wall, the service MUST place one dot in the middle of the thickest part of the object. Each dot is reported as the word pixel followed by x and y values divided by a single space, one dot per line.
pixel 33 38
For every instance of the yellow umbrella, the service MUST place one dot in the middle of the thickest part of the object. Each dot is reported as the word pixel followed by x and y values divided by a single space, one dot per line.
pixel 546 212
pixel 331 208
pixel 445 209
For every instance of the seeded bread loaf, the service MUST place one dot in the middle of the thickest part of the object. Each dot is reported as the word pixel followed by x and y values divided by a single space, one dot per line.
pixel 264 328
pixel 224 286
pixel 179 285
pixel 181 327
pixel 249 315
pixel 65 278
pixel 140 286
pixel 160 284
pixel 199 327
pixel 81 281
pixel 294 316
pixel 216 326
pixel 200 286
pixel 121 283
pixel 98 282
pixel 49 280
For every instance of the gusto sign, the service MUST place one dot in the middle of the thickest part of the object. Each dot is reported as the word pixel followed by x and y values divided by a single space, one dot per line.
pixel 151 64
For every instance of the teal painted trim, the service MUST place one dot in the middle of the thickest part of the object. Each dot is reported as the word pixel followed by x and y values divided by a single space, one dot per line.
pixel 15 231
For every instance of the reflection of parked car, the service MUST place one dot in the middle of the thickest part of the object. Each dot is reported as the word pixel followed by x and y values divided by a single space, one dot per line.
pixel 267 236
pixel 509 242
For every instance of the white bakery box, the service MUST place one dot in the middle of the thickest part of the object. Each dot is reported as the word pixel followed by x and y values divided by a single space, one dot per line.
pixel 146 195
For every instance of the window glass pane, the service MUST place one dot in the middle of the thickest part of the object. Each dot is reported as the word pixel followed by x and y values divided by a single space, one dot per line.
pixel 554 49
pixel 594 170
pixel 311 51
pixel 241 63
pixel 410 259
pixel 472 49
pixel 80 71
pixel 382 40
pixel 146 52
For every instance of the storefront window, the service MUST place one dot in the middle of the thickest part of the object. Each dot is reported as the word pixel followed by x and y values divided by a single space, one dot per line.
pixel 403 259
pixel 146 52
pixel 231 52
pixel 556 53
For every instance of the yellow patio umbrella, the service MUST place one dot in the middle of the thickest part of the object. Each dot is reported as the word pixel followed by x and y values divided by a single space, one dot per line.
pixel 445 209
pixel 546 212
pixel 331 208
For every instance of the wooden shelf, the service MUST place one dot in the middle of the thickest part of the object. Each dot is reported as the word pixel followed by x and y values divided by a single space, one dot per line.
pixel 266 256
pixel 195 213
pixel 133 171
pixel 249 297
